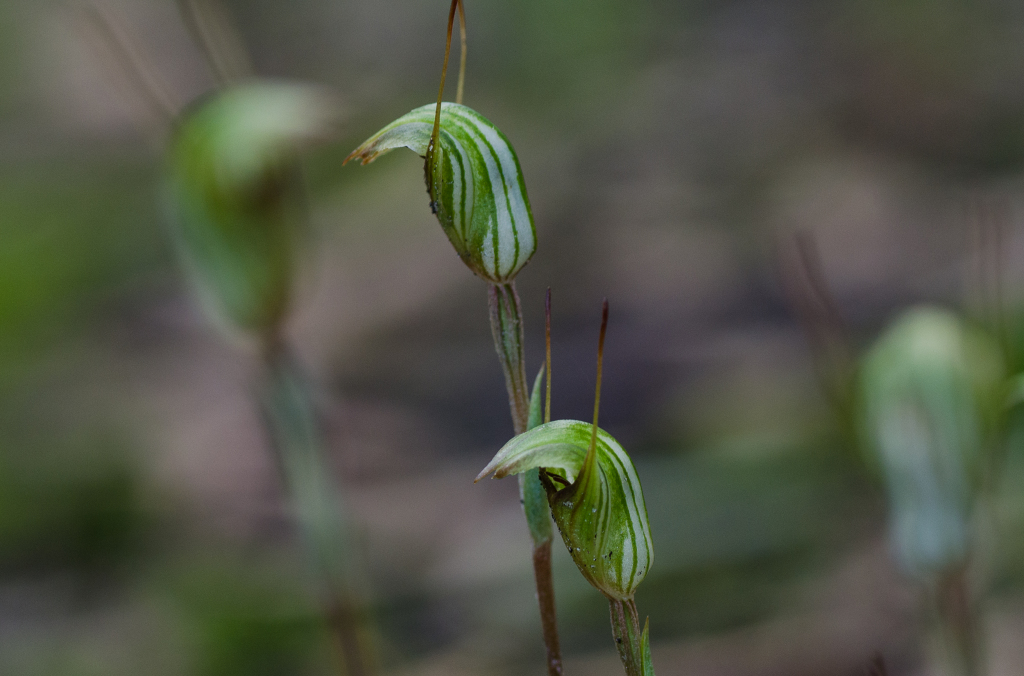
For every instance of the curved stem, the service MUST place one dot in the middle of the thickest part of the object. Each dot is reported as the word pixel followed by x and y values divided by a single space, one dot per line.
pixel 462 60
pixel 440 90
pixel 138 70
pixel 804 281
pixel 600 370
pixel 507 331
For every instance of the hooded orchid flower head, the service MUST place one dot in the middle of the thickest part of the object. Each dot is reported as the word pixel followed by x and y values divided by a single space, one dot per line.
pixel 594 492
pixel 927 393
pixel 473 178
pixel 235 197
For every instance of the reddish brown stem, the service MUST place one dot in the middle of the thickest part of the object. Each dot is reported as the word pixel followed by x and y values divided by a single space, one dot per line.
pixel 600 369
pixel 440 89
pixel 546 600
pixel 462 59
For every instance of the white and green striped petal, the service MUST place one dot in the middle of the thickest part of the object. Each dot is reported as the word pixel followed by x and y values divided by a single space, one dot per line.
pixel 475 184
pixel 596 500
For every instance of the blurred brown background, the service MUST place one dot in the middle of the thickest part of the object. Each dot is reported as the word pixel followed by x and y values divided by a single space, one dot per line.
pixel 671 149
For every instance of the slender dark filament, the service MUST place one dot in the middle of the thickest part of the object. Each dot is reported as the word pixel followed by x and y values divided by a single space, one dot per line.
pixel 143 77
pixel 600 364
pixel 444 72
pixel 827 334
pixel 462 62
pixel 546 600
pixel 218 40
pixel 989 223
pixel 547 356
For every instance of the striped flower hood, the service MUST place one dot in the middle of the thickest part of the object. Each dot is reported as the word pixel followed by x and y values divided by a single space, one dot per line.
pixel 475 185
pixel 595 497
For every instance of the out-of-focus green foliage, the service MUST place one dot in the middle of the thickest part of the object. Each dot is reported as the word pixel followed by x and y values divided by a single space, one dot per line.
pixel 930 391
pixel 476 186
pixel 244 620
pixel 72 235
pixel 88 522
pixel 236 197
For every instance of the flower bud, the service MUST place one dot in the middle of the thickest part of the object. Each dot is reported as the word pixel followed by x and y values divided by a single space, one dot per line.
pixel 475 185
pixel 595 497
pixel 235 196
pixel 927 392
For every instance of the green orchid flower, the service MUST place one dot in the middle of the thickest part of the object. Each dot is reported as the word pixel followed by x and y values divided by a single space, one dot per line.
pixel 595 497
pixel 478 195
pixel 931 393
pixel 475 185
pixel 929 390
pixel 597 503
pixel 235 198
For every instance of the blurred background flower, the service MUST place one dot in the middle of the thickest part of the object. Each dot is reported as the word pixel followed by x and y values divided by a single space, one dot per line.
pixel 671 148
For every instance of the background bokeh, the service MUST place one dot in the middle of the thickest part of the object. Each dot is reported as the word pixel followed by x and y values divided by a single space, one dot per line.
pixel 671 149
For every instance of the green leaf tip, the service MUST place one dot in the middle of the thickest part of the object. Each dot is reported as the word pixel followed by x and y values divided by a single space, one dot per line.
pixel 235 197
pixel 598 505
pixel 930 391
pixel 645 649
pixel 536 417
pixel 475 184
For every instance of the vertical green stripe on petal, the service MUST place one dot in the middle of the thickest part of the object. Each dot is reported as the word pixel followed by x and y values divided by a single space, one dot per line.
pixel 601 514
pixel 476 185
pixel 515 194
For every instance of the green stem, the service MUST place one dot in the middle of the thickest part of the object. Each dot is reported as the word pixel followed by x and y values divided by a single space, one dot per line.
pixel 626 631
pixel 296 440
pixel 507 330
